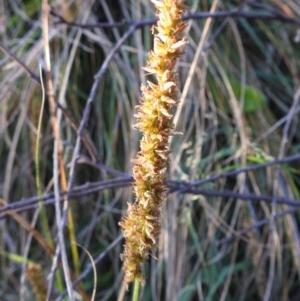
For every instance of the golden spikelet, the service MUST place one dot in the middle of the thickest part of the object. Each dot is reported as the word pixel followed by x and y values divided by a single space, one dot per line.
pixel 36 278
pixel 141 226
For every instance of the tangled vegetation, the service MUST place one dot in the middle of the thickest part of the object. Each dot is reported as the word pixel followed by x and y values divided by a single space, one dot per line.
pixel 230 221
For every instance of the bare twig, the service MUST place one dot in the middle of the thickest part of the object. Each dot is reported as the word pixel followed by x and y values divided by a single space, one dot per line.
pixel 255 225
pixel 33 75
pixel 125 180
pixel 90 99
pixel 115 183
pixel 89 188
pixel 272 15
pixel 240 170
pixel 244 196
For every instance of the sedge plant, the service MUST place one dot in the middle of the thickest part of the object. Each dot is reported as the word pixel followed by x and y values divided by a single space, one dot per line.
pixel 141 225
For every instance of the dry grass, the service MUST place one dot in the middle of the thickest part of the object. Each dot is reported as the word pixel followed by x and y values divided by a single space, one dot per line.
pixel 240 90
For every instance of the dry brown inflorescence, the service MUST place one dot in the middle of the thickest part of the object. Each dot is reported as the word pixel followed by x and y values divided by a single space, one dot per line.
pixel 36 278
pixel 141 226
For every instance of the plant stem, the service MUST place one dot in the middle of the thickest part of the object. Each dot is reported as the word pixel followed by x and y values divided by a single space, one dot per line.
pixel 45 225
pixel 136 290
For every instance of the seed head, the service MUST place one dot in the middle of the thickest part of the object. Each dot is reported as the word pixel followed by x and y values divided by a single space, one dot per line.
pixel 141 226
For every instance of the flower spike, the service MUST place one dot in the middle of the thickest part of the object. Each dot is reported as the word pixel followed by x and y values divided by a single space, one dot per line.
pixel 141 226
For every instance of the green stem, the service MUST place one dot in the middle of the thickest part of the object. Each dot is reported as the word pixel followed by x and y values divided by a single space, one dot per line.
pixel 136 290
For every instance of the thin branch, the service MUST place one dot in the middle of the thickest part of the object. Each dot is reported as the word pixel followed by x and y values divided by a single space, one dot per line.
pixel 243 196
pixel 88 104
pixel 114 172
pixel 27 70
pixel 89 188
pixel 82 189
pixel 258 224
pixel 227 174
pixel 268 8
pixel 272 15
pixel 124 181
pixel 269 16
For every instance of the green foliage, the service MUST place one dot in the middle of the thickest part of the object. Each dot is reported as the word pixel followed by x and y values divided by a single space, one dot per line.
pixel 253 99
